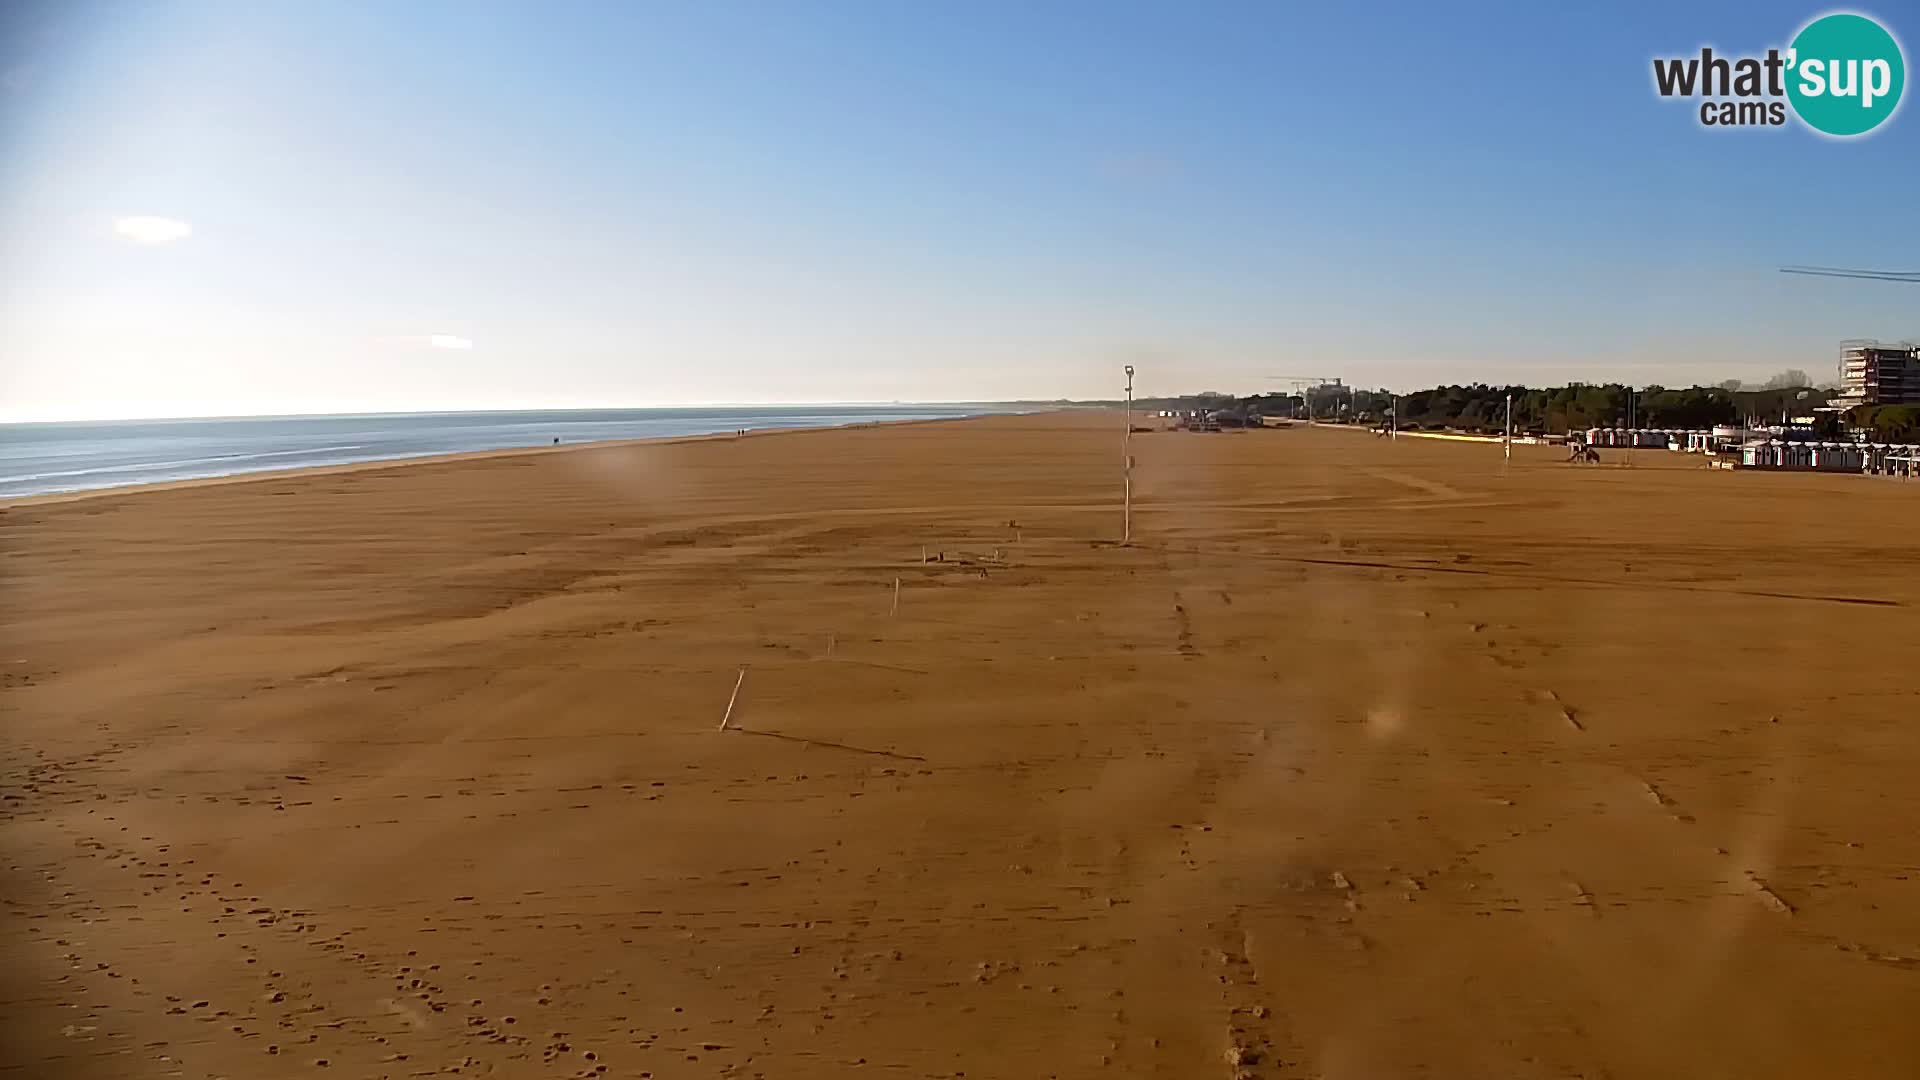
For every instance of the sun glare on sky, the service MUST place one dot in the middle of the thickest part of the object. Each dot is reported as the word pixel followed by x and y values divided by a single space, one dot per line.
pixel 151 230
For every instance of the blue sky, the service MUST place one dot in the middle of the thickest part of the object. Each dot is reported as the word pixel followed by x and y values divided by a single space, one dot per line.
pixel 633 203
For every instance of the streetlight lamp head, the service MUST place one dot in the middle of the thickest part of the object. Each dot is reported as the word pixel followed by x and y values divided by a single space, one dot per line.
pixel 1129 370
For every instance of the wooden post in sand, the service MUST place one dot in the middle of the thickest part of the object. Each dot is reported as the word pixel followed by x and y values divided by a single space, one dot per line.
pixel 895 610
pixel 731 698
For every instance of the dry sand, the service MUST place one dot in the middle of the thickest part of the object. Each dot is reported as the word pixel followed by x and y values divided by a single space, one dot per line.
pixel 1366 761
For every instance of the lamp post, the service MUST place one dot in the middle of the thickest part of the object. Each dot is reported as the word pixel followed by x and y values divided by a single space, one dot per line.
pixel 1633 441
pixel 1509 439
pixel 1126 456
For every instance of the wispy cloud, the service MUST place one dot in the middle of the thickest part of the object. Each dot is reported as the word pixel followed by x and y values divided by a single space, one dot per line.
pixel 151 230
pixel 427 341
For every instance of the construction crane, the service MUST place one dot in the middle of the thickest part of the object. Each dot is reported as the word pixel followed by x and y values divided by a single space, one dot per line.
pixel 1911 277
pixel 1300 384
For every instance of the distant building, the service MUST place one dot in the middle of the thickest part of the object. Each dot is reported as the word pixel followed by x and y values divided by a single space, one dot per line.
pixel 1875 373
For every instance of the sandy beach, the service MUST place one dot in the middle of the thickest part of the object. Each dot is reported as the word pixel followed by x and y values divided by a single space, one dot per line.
pixel 1366 759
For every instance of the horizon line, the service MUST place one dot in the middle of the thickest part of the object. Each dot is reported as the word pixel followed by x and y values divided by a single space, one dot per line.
pixel 15 421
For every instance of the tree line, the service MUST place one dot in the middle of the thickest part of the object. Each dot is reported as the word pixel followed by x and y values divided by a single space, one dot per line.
pixel 1556 410
pixel 1887 423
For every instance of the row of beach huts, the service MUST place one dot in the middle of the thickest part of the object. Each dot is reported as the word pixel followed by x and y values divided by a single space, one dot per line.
pixel 1875 459
pixel 1719 440
pixel 1784 447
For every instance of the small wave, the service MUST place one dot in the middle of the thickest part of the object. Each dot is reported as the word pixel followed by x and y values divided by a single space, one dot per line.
pixel 149 466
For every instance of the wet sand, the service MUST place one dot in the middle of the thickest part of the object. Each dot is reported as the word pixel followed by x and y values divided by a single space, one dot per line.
pixel 1367 759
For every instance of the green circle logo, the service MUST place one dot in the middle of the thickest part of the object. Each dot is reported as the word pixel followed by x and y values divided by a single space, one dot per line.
pixel 1845 74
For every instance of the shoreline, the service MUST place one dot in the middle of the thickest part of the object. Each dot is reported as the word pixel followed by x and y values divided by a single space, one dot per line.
pixel 12 502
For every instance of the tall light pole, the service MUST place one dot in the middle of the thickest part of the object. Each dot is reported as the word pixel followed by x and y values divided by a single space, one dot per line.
pixel 1126 456
pixel 1632 440
pixel 1509 440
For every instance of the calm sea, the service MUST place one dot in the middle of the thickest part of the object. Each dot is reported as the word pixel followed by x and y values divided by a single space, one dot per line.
pixel 38 459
